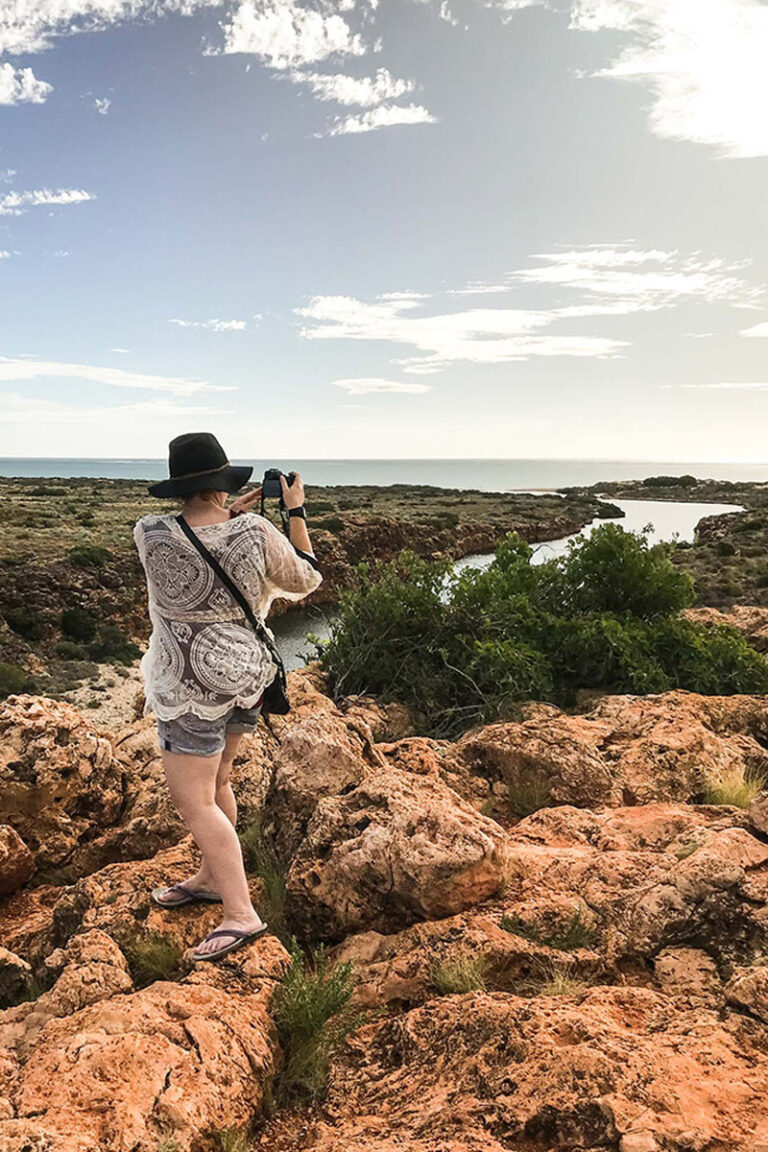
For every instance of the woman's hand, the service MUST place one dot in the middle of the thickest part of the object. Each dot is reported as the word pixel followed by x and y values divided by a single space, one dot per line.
pixel 245 502
pixel 293 494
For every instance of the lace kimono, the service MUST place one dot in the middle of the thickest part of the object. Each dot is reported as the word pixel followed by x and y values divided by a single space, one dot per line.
pixel 203 657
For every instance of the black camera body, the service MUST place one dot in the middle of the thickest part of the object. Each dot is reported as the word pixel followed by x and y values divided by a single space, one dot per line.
pixel 271 486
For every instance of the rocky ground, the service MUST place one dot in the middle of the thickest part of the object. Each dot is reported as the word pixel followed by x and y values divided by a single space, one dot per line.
pixel 592 975
pixel 72 590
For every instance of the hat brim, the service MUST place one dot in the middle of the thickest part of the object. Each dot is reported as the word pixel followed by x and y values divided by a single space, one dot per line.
pixel 230 478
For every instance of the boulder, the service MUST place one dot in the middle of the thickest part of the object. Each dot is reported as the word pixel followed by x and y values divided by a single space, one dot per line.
pixel 130 1069
pixel 651 877
pixel 59 783
pixel 15 977
pixel 688 972
pixel 389 850
pixel 408 967
pixel 16 861
pixel 624 750
pixel 91 968
pixel 748 990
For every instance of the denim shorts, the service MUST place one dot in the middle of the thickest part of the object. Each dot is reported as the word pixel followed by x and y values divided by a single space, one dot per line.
pixel 196 737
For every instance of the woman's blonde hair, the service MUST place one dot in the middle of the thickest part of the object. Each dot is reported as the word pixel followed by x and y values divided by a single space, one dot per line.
pixel 210 495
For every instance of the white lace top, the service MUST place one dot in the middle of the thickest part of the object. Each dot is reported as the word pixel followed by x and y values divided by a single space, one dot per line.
pixel 203 656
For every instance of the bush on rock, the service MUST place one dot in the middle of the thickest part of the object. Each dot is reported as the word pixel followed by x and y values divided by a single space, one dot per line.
pixel 463 648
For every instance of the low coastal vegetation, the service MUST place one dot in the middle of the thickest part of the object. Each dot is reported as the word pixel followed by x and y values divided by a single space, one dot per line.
pixel 72 591
pixel 728 558
pixel 467 648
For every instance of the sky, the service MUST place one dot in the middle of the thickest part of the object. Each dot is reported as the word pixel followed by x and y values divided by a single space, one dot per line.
pixel 411 228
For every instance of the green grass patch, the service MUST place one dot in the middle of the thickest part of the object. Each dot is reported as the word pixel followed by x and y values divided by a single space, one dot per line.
pixel 459 973
pixel 553 979
pixel 151 956
pixel 312 1013
pixel 737 788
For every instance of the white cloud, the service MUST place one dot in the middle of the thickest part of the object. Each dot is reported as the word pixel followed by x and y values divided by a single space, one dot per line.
pixel 607 281
pixel 18 370
pixel 214 325
pixel 626 280
pixel 21 86
pixel 362 91
pixel 5 255
pixel 17 203
pixel 285 35
pixel 102 104
pixel 759 330
pixel 479 336
pixel 703 60
pixel 366 384
pixel 31 25
pixel 386 116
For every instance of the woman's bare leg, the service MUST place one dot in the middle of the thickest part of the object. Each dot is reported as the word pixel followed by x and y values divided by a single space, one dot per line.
pixel 203 880
pixel 192 784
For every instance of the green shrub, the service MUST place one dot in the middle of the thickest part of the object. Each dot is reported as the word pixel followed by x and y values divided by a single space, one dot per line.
pixel 331 523
pixel 311 1010
pixel 78 624
pixel 465 647
pixel 68 650
pixel 14 679
pixel 23 622
pixel 685 481
pixel 111 645
pixel 89 555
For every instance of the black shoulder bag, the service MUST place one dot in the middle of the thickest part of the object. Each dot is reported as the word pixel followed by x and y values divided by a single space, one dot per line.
pixel 275 701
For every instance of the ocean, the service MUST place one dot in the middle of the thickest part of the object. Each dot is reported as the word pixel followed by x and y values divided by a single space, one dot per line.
pixel 484 475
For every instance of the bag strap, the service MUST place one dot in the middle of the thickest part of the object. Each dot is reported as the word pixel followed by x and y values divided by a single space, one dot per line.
pixel 229 583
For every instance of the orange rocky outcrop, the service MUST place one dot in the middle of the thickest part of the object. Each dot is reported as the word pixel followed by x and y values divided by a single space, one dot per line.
pixel 607 952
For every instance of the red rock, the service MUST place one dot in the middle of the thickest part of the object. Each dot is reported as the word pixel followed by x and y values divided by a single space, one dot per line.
pixel 625 750
pixel 599 1070
pixel 59 784
pixel 16 861
pixel 391 850
pixel 127 1071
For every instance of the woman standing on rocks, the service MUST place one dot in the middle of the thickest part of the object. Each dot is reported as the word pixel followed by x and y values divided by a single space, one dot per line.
pixel 206 669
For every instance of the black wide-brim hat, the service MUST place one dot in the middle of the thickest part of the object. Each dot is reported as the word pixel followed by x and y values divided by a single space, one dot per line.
pixel 196 461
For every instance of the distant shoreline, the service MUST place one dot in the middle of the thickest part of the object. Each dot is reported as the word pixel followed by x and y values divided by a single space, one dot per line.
pixel 488 475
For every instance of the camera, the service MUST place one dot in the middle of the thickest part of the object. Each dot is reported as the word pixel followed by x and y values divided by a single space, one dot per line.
pixel 270 485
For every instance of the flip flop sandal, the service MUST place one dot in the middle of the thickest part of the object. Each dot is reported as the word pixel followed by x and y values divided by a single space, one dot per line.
pixel 184 897
pixel 238 940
